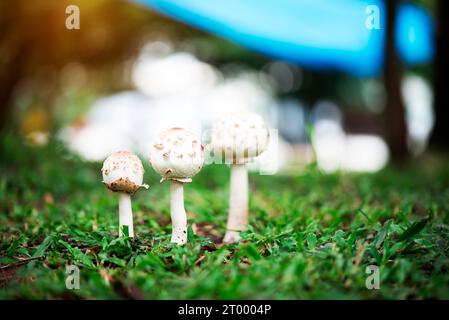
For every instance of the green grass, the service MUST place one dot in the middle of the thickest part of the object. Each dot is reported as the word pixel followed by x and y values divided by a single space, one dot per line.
pixel 312 235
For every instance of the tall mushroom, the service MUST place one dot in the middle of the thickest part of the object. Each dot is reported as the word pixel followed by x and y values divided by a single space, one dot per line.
pixel 123 173
pixel 177 155
pixel 238 138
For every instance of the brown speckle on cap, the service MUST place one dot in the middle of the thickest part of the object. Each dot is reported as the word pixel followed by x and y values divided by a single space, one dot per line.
pixel 123 185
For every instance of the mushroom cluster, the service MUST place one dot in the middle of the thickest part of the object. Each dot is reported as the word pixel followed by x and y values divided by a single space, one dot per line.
pixel 178 155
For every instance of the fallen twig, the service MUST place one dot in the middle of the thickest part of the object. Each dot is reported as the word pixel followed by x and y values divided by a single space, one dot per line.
pixel 19 262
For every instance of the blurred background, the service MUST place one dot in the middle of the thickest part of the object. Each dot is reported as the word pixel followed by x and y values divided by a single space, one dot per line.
pixel 349 84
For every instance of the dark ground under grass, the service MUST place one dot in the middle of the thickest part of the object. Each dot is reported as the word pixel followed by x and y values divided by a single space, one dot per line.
pixel 312 235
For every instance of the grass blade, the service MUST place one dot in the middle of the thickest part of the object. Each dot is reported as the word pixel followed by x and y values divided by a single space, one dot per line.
pixel 414 229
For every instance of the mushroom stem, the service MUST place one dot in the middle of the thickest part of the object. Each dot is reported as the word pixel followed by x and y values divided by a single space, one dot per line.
pixel 178 213
pixel 125 214
pixel 238 204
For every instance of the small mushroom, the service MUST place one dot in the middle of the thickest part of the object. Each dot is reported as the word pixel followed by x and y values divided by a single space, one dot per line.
pixel 123 173
pixel 178 161
pixel 238 138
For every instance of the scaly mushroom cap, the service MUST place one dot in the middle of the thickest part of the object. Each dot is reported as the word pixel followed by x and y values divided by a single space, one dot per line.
pixel 123 172
pixel 239 137
pixel 177 155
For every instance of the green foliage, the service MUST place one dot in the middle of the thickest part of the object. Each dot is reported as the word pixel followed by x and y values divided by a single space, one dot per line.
pixel 311 236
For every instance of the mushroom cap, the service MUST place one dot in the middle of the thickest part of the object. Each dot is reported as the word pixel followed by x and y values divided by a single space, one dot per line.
pixel 239 137
pixel 123 172
pixel 177 155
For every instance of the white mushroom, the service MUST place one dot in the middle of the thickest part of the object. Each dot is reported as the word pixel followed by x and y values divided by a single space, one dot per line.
pixel 177 155
pixel 123 172
pixel 238 138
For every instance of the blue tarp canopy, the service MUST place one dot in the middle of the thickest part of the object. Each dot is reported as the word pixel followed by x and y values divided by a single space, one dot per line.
pixel 317 34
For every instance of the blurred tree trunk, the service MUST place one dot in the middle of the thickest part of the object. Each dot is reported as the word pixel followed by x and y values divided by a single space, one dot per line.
pixel 9 79
pixel 395 111
pixel 440 136
pixel 10 64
